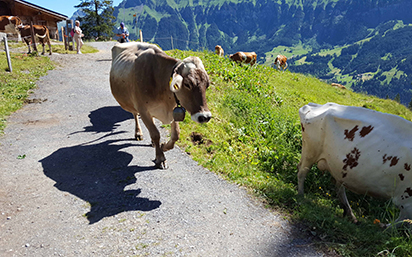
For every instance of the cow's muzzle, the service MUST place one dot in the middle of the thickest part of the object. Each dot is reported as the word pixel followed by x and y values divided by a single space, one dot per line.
pixel 202 117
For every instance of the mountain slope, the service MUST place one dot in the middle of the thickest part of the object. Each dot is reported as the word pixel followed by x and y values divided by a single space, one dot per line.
pixel 378 65
pixel 290 27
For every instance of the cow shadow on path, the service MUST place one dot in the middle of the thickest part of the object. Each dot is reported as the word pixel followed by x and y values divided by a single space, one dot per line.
pixel 98 173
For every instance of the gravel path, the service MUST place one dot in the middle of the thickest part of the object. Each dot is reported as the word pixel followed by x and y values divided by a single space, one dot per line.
pixel 83 187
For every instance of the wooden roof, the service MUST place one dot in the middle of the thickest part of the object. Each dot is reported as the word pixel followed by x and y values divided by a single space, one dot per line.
pixel 56 15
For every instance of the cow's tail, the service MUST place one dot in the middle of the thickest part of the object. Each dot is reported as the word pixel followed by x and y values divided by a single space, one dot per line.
pixel 41 36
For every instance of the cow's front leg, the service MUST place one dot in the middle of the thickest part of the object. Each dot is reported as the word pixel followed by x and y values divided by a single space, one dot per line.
pixel 174 136
pixel 160 161
pixel 138 134
pixel 303 169
pixel 43 49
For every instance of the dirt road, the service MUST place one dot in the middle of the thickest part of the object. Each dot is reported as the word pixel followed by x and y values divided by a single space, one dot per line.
pixel 74 183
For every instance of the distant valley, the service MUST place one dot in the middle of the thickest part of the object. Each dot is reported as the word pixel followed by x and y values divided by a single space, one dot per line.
pixel 364 45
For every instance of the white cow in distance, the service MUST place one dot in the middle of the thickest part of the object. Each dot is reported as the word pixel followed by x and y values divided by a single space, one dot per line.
pixel 366 151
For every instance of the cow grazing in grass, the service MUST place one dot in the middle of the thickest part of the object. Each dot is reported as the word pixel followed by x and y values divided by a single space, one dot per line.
pixel 145 80
pixel 281 62
pixel 338 85
pixel 219 50
pixel 41 32
pixel 10 24
pixel 244 57
pixel 365 151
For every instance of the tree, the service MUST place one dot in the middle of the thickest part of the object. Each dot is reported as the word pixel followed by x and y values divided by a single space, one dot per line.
pixel 99 20
pixel 397 98
pixel 410 105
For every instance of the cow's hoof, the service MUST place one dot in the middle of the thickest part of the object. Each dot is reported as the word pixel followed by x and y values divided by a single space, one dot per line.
pixel 138 137
pixel 161 164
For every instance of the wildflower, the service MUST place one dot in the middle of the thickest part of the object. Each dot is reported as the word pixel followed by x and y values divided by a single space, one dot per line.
pixel 376 221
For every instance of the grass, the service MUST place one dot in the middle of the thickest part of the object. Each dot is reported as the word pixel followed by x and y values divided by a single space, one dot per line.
pixel 254 140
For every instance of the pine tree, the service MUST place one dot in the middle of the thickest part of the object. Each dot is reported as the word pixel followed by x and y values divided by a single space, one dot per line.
pixel 99 20
pixel 410 105
pixel 397 98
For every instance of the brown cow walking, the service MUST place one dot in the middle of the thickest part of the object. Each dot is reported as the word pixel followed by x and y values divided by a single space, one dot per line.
pixel 244 57
pixel 145 80
pixel 40 31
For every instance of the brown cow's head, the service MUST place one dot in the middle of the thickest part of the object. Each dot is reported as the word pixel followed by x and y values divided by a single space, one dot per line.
pixel 189 83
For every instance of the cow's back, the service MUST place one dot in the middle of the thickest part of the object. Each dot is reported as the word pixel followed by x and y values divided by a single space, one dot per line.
pixel 138 79
pixel 367 151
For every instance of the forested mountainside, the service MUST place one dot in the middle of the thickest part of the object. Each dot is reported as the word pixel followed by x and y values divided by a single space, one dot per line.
pixel 380 65
pixel 306 28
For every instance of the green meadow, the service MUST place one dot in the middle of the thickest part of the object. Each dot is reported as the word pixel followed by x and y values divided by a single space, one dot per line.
pixel 254 140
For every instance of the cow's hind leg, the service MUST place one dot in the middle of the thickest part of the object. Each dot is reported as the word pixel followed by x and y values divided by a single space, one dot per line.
pixel 175 133
pixel 405 214
pixel 138 134
pixel 160 161
pixel 347 210
pixel 50 50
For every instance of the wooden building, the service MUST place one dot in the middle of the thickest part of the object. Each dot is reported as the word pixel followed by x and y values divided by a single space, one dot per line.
pixel 29 12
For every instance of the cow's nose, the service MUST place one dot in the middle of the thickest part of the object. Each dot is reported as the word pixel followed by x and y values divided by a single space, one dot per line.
pixel 202 117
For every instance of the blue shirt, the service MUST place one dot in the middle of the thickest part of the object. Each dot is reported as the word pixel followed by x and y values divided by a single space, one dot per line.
pixel 124 30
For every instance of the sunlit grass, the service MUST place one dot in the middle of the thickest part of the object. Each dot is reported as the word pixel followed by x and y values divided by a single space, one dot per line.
pixel 254 140
pixel 15 86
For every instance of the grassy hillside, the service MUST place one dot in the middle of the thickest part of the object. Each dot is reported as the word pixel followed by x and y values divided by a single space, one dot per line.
pixel 362 44
pixel 254 140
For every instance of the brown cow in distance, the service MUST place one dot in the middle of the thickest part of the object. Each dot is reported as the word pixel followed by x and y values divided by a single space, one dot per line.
pixel 10 24
pixel 244 57
pixel 281 63
pixel 40 31
pixel 219 50
pixel 338 85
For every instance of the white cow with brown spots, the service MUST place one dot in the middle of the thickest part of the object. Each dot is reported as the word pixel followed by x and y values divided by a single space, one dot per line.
pixel 367 152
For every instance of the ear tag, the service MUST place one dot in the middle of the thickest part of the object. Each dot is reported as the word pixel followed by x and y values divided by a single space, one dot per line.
pixel 179 113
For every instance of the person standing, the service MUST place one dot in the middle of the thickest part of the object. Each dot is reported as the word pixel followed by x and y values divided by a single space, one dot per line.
pixel 78 36
pixel 123 33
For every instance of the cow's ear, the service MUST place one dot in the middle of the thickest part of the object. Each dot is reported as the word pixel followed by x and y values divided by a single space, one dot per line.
pixel 176 82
